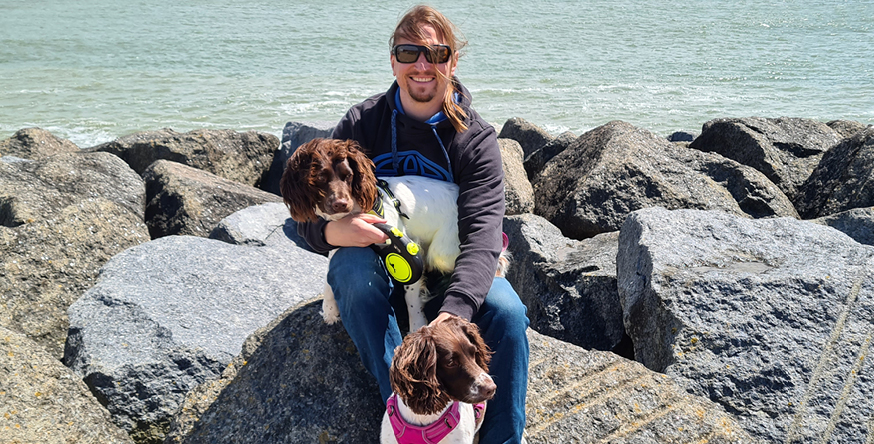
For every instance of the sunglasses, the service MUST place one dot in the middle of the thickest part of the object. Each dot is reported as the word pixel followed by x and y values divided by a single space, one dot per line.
pixel 433 54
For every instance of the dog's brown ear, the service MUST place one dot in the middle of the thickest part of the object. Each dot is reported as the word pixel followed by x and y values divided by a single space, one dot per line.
pixel 298 192
pixel 483 353
pixel 364 180
pixel 413 373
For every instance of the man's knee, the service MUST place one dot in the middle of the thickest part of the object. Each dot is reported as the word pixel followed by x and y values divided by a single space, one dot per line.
pixel 354 265
pixel 357 273
pixel 504 308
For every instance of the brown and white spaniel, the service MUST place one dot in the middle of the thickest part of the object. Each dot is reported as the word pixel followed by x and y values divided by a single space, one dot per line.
pixel 440 379
pixel 331 178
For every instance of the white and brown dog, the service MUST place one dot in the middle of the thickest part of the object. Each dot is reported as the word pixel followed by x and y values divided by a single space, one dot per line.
pixel 440 379
pixel 332 178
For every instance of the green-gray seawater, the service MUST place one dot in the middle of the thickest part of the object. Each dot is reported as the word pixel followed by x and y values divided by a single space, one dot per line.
pixel 94 70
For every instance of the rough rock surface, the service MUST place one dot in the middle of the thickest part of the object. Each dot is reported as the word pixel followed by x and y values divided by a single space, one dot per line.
pixel 519 195
pixel 169 314
pixel 581 396
pixel 301 376
pixel 615 169
pixel 569 286
pixel 846 128
pixel 843 180
pixel 530 137
pixel 43 401
pixel 259 225
pixel 786 150
pixel 241 157
pixel 574 395
pixel 535 162
pixel 187 201
pixel 35 143
pixel 294 134
pixel 770 318
pixel 857 223
pixel 682 136
pixel 61 219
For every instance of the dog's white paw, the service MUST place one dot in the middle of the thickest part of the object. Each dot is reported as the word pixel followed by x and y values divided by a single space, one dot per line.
pixel 330 312
pixel 330 318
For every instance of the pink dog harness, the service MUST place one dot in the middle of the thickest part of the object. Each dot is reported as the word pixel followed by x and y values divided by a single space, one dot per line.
pixel 407 433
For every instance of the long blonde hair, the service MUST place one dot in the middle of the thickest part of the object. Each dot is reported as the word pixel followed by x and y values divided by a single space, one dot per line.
pixel 410 28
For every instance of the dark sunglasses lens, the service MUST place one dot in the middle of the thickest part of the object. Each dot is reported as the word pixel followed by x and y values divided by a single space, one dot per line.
pixel 439 54
pixel 407 53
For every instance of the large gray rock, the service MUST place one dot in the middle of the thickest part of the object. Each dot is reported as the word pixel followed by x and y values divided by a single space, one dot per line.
pixel 300 381
pixel 843 180
pixel 615 169
pixel 569 286
pixel 770 318
pixel 43 401
pixel 530 137
pixel 581 396
pixel 297 377
pixel 294 134
pixel 519 195
pixel 786 150
pixel 259 225
pixel 187 201
pixel 846 128
pixel 682 136
pixel 535 161
pixel 241 157
pixel 170 314
pixel 857 223
pixel 61 219
pixel 35 143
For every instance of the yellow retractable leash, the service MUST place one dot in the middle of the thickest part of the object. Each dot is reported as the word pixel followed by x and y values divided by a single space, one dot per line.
pixel 402 256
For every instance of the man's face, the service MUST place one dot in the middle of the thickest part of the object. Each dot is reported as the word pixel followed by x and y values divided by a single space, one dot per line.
pixel 420 81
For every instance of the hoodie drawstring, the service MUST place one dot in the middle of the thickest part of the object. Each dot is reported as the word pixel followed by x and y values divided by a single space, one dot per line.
pixel 445 153
pixel 395 161
pixel 394 141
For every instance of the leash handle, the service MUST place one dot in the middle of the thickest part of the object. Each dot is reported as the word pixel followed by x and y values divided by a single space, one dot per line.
pixel 402 256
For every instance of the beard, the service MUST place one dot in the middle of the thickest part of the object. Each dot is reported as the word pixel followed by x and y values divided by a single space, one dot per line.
pixel 426 94
pixel 422 95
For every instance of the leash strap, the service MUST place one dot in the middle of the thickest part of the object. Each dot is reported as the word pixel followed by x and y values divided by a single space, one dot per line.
pixel 383 187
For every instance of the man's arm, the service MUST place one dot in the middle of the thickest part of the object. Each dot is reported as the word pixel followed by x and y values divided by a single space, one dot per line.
pixel 480 221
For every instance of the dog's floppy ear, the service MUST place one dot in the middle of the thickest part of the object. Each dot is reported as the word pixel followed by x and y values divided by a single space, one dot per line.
pixel 299 194
pixel 364 180
pixel 414 373
pixel 483 353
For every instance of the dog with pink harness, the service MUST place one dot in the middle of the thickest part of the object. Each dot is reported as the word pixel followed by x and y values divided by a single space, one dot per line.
pixel 440 379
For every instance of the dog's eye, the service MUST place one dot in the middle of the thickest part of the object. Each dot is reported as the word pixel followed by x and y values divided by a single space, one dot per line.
pixel 451 363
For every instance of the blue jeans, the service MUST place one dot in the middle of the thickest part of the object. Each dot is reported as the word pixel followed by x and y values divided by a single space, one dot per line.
pixel 362 289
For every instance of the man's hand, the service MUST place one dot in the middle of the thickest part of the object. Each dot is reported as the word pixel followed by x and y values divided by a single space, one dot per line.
pixel 440 318
pixel 355 231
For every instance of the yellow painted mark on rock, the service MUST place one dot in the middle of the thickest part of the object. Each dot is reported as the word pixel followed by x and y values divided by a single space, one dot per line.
pixel 637 425
pixel 613 391
pixel 824 358
pixel 848 385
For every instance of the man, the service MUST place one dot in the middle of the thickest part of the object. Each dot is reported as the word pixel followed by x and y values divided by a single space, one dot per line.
pixel 424 126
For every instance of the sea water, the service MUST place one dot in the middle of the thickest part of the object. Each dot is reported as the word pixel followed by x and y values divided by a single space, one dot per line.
pixel 95 70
